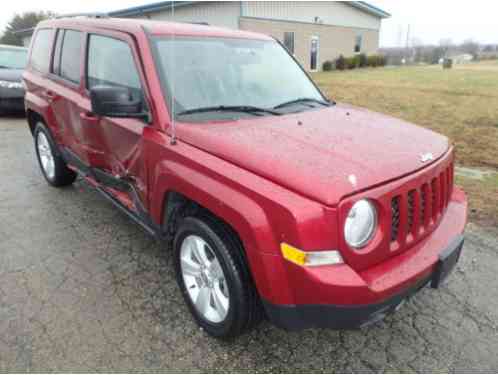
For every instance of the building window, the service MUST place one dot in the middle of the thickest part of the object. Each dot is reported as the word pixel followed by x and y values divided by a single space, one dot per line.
pixel 289 41
pixel 358 42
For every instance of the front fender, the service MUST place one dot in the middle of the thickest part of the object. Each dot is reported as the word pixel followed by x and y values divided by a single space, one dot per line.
pixel 220 199
pixel 262 213
pixel 252 226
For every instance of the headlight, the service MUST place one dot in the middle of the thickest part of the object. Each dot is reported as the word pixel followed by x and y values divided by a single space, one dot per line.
pixel 11 85
pixel 360 224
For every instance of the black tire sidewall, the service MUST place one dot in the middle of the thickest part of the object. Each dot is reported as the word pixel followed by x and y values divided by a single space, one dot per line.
pixel 40 128
pixel 231 324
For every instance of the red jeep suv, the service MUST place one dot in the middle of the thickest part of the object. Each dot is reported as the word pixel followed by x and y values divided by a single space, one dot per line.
pixel 274 200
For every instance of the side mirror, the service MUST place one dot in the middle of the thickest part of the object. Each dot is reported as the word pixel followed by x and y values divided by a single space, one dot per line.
pixel 114 101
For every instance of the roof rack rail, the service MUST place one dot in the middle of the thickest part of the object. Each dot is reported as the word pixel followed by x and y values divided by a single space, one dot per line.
pixel 88 15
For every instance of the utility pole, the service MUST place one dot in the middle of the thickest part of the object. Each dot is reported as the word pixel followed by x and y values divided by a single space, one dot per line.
pixel 408 36
pixel 400 36
pixel 407 43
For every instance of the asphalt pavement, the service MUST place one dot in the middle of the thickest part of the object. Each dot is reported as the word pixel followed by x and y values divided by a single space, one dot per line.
pixel 82 288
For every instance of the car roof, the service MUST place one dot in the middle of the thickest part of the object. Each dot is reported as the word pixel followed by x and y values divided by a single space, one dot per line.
pixel 7 46
pixel 133 26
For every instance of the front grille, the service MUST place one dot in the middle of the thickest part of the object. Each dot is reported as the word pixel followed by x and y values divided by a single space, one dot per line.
pixel 419 209
pixel 395 218
pixel 411 209
pixel 434 202
pixel 423 200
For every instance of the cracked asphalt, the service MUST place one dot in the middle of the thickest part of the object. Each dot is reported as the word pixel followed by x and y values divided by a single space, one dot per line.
pixel 82 288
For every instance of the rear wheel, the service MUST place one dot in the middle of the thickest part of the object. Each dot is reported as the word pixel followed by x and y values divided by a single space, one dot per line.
pixel 214 278
pixel 52 165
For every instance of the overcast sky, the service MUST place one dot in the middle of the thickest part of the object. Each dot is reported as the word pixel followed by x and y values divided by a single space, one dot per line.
pixel 430 21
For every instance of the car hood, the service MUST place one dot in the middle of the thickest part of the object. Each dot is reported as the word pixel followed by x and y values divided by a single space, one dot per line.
pixel 323 154
pixel 11 75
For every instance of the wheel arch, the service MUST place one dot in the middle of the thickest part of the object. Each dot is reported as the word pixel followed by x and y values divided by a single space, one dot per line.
pixel 34 118
pixel 243 217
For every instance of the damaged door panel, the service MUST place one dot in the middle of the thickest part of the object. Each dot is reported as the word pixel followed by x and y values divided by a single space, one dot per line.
pixel 115 144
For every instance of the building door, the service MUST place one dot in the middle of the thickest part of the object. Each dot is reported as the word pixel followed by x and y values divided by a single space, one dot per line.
pixel 315 45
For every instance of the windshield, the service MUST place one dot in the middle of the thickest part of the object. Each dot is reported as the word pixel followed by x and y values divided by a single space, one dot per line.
pixel 212 72
pixel 11 58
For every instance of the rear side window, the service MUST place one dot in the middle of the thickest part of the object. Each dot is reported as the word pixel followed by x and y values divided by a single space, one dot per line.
pixel 56 66
pixel 110 63
pixel 70 62
pixel 40 55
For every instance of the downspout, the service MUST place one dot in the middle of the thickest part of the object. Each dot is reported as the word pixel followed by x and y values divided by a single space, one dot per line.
pixel 241 11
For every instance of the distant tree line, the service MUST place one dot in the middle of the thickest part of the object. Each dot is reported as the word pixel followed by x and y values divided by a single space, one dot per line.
pixel 20 22
pixel 432 54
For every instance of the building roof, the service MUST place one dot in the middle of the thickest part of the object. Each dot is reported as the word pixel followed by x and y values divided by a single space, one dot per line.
pixel 163 5
pixel 369 8
pixel 148 8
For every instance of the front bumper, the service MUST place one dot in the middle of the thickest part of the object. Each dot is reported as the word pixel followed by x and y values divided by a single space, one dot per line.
pixel 337 296
pixel 356 316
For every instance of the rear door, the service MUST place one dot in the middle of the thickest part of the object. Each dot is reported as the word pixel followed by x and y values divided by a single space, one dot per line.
pixel 116 144
pixel 66 90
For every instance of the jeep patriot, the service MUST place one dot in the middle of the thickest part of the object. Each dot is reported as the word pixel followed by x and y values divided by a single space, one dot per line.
pixel 273 200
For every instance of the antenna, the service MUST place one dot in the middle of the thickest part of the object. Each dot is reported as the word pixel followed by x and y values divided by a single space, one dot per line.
pixel 173 129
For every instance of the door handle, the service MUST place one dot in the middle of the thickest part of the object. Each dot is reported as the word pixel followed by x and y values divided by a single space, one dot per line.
pixel 88 116
pixel 50 94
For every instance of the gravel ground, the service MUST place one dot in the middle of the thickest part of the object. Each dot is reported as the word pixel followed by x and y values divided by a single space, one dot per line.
pixel 82 288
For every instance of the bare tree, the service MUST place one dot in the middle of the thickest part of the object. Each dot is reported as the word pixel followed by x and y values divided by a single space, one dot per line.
pixel 471 47
pixel 418 49
pixel 446 45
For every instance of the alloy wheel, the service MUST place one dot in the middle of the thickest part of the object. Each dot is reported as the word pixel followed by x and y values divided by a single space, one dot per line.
pixel 45 153
pixel 204 279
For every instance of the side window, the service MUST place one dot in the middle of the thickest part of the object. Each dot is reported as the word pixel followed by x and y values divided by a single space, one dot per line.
pixel 110 63
pixel 56 65
pixel 42 45
pixel 289 41
pixel 70 62
pixel 357 43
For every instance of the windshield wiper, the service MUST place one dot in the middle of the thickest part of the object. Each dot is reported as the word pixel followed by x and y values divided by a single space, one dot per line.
pixel 302 100
pixel 230 108
pixel 5 67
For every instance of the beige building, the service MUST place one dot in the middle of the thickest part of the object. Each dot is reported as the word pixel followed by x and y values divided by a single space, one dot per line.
pixel 313 31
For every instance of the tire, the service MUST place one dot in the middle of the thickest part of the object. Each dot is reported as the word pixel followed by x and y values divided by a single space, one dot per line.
pixel 244 308
pixel 52 165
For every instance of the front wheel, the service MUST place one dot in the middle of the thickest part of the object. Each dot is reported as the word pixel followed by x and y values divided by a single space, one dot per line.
pixel 214 278
pixel 52 165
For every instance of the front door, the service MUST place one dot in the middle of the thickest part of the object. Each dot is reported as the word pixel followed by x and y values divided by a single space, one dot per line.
pixel 315 45
pixel 117 144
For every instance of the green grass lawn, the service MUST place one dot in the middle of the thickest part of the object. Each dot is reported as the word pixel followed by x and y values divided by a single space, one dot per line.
pixel 461 103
